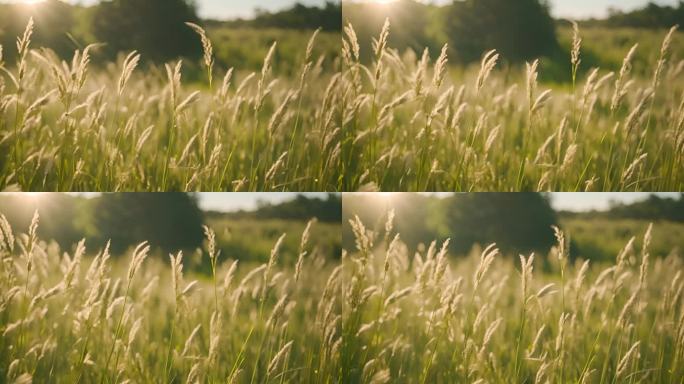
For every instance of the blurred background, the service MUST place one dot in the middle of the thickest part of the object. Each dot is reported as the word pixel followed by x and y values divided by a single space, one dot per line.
pixel 247 225
pixel 598 224
pixel 522 30
pixel 241 31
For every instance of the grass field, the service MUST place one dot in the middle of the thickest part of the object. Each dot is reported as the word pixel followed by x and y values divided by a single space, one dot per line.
pixel 72 126
pixel 600 239
pixel 491 318
pixel 80 316
pixel 238 237
pixel 412 124
pixel 245 48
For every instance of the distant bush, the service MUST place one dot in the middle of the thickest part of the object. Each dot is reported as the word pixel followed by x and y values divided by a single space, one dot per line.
pixel 650 16
pixel 154 27
pixel 519 30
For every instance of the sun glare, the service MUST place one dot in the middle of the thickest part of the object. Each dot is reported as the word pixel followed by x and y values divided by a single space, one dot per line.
pixel 34 195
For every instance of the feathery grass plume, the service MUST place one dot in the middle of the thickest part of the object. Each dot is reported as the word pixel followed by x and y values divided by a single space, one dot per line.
pixel 302 247
pixel 23 44
pixel 643 269
pixel 546 290
pixel 380 43
pixel 129 64
pixel 215 328
pixel 532 74
pixel 280 358
pixel 389 223
pixel 275 251
pixel 177 275
pixel 440 68
pixel 270 175
pixel 350 44
pixel 621 83
pixel 189 340
pixel 569 159
pixel 139 255
pixel 486 66
pixel 31 241
pixel 486 259
pixel 575 51
pixel 6 235
pixel 626 359
pixel 629 172
pixel 537 341
pixel 664 49
pixel 265 72
pixel 206 48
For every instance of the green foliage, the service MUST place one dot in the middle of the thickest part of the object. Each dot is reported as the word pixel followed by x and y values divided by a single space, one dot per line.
pixel 601 239
pixel 650 16
pixel 654 208
pixel 520 30
pixel 245 48
pixel 250 240
pixel 168 221
pixel 298 16
pixel 518 222
pixel 420 24
pixel 303 208
pixel 154 27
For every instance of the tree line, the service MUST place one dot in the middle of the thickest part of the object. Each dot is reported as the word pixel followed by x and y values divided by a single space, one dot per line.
pixel 155 28
pixel 168 221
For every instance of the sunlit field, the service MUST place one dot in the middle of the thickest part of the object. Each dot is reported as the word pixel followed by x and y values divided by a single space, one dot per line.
pixel 413 122
pixel 128 125
pixel 421 316
pixel 77 315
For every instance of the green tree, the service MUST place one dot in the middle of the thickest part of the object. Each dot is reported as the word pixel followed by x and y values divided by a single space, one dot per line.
pixel 519 29
pixel 168 221
pixel 155 28
pixel 517 222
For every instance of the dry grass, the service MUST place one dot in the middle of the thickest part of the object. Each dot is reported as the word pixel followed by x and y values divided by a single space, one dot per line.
pixel 67 317
pixel 69 126
pixel 418 318
pixel 410 125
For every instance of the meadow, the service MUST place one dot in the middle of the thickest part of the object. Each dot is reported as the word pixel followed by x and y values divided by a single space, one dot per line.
pixel 131 125
pixel 421 316
pixel 81 315
pixel 414 122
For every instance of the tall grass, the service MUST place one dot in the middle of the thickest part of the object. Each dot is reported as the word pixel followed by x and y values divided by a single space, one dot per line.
pixel 71 126
pixel 411 316
pixel 501 129
pixel 69 317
